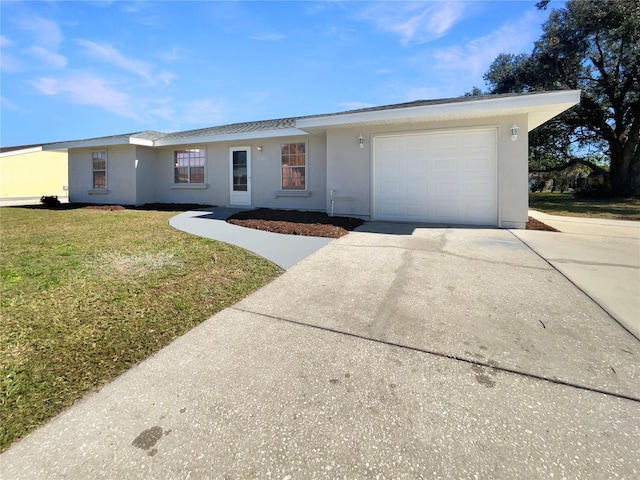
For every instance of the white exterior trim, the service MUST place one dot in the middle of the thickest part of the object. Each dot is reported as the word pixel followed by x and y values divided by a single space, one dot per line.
pixel 187 186
pixel 540 107
pixel 21 152
pixel 240 198
pixel 99 142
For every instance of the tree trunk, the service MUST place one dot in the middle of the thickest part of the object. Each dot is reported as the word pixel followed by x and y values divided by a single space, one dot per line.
pixel 624 174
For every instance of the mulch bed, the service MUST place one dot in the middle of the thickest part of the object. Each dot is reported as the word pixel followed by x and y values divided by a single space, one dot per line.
pixel 295 222
pixel 315 224
pixel 534 224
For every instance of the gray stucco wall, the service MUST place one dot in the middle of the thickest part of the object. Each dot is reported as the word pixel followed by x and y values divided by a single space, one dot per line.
pixel 121 178
pixel 137 175
pixel 166 191
pixel 145 171
pixel 265 175
pixel 349 167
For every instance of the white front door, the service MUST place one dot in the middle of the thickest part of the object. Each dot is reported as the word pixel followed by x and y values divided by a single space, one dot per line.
pixel 240 181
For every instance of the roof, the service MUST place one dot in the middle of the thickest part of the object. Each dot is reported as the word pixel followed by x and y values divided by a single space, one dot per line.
pixel 539 106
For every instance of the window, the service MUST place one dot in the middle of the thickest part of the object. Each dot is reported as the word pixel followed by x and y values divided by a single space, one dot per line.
pixel 189 165
pixel 99 169
pixel 294 161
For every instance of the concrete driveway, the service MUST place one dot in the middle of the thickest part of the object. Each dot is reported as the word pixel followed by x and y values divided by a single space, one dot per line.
pixel 393 352
pixel 600 256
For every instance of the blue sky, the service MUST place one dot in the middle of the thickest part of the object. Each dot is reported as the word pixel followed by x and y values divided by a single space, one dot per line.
pixel 74 70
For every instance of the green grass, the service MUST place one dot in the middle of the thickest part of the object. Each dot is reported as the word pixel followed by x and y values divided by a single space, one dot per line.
pixel 557 203
pixel 86 294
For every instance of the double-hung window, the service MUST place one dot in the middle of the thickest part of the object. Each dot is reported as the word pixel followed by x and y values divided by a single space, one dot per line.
pixel 99 169
pixel 189 165
pixel 294 166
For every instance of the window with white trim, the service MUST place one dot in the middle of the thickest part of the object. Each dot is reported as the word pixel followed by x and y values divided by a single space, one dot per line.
pixel 189 165
pixel 99 169
pixel 294 166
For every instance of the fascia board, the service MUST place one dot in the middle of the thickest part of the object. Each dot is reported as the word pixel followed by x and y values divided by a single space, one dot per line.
pixel 141 141
pixel 21 152
pixel 285 132
pixel 98 142
pixel 471 109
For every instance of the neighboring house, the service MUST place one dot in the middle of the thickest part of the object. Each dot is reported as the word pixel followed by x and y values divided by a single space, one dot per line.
pixel 29 172
pixel 451 161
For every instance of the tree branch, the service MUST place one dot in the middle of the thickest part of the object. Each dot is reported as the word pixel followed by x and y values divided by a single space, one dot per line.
pixel 571 163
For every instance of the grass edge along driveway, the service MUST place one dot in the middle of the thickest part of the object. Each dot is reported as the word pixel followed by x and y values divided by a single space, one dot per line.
pixel 564 204
pixel 86 294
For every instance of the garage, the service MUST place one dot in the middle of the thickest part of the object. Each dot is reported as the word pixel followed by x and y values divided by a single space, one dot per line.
pixel 437 177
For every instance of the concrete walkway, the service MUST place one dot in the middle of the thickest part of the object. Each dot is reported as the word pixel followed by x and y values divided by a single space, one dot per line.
pixel 602 257
pixel 394 352
pixel 283 250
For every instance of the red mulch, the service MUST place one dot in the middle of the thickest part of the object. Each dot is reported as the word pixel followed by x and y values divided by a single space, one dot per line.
pixel 315 224
pixel 295 222
pixel 534 224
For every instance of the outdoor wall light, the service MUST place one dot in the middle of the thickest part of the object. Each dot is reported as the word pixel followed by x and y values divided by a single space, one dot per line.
pixel 361 141
pixel 259 149
pixel 514 132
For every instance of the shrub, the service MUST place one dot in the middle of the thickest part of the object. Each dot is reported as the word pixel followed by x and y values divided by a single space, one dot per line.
pixel 593 191
pixel 50 201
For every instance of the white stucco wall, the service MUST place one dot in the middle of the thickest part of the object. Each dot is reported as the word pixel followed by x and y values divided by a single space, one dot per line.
pixel 121 178
pixel 349 167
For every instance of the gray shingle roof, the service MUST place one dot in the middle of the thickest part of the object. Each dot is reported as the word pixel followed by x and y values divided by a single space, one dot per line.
pixel 148 135
pixel 244 127
pixel 283 123
pixel 286 123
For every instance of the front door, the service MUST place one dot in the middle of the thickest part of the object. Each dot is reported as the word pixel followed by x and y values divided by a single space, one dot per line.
pixel 240 163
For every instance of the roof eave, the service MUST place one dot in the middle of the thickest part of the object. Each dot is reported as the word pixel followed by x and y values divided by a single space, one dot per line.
pixel 21 151
pixel 99 142
pixel 540 107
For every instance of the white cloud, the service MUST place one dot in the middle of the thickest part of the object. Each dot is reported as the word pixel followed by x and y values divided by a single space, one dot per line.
pixel 109 54
pixel 268 37
pixel 9 105
pixel 48 58
pixel 171 56
pixel 415 22
pixel 475 56
pixel 86 89
pixel 6 42
pixel 166 78
pixel 10 64
pixel 203 112
pixel 45 32
pixel 179 113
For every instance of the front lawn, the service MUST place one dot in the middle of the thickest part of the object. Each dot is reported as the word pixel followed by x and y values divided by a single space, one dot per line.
pixel 85 294
pixel 565 204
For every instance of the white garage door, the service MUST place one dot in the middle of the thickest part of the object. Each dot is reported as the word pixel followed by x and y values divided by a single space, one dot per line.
pixel 448 177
